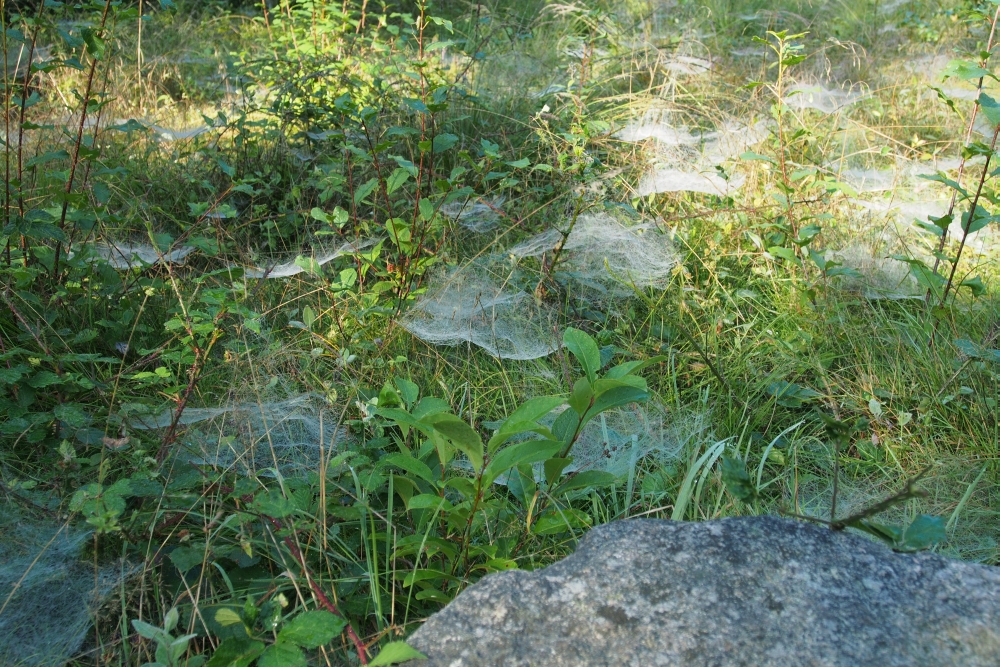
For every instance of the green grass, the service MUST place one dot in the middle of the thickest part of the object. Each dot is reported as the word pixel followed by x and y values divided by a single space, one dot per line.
pixel 735 319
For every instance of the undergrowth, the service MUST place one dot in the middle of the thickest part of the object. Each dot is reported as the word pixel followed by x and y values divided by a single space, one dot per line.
pixel 220 221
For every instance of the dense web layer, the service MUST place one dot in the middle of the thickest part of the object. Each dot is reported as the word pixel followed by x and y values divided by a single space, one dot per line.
pixel 475 216
pixel 48 593
pixel 819 97
pixel 124 256
pixel 297 266
pixel 255 437
pixel 620 440
pixel 687 159
pixel 472 305
pixel 666 179
pixel 601 251
pixel 881 277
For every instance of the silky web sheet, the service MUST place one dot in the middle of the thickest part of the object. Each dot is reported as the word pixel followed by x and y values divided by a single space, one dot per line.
pixel 603 253
pixel 474 305
pixel 255 437
pixel 49 591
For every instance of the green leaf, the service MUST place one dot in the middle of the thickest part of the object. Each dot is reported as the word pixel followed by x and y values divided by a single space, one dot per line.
pixel 273 504
pixel 612 394
pixel 394 653
pixel 186 558
pixel 396 180
pixel 791 395
pixel 554 469
pixel 965 70
pixel 991 108
pixel 146 630
pixel 428 501
pixel 561 521
pixel 225 617
pixel 531 451
pixel 519 164
pixel 631 367
pixel 312 629
pixel 430 405
pixel 463 436
pixel 751 156
pixel 581 396
pixel 410 465
pixel 524 418
pixel 736 479
pixel 95 44
pixel 409 391
pixel 923 533
pixel 585 350
pixel 976 285
pixel 364 190
pixel 588 479
pixel 944 180
pixel 443 142
pixel 309 265
pixel 282 655
pixel 236 652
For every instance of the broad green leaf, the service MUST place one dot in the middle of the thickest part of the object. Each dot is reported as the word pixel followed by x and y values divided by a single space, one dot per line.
pixel 312 629
pixel 430 405
pixel 463 436
pixel 751 156
pixel 364 190
pixel 519 164
pixel 976 285
pixel 531 451
pixel 981 219
pixel 554 468
pixel 736 479
pixel 236 652
pixel 631 367
pixel 225 616
pixel 396 180
pixel 394 653
pixel 410 465
pixel 282 654
pixel 146 630
pixel 581 396
pixel 923 533
pixel 585 350
pixel 524 419
pixel 443 142
pixel 944 180
pixel 402 418
pixel 309 265
pixel 274 504
pixel 408 390
pixel 95 43
pixel 965 70
pixel 428 501
pixel 186 558
pixel 615 394
pixel 791 395
pixel 561 521
pixel 588 479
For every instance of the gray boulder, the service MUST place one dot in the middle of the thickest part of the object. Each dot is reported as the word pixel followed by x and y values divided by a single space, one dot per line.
pixel 741 591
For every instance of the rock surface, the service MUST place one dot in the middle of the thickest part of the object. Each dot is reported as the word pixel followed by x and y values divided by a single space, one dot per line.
pixel 741 591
